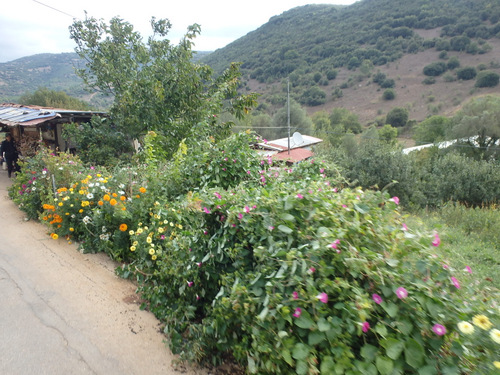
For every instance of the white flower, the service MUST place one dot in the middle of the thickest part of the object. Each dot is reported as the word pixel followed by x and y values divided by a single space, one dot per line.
pixel 103 229
pixel 91 184
pixel 33 188
pixel 104 237
pixel 60 168
pixel 121 186
pixel 86 220
pixel 495 335
pixel 466 327
pixel 90 196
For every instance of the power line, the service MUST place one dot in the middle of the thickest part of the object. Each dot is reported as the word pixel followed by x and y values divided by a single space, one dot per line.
pixel 57 10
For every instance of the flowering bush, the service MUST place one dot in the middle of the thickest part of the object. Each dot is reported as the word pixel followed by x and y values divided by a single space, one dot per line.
pixel 283 268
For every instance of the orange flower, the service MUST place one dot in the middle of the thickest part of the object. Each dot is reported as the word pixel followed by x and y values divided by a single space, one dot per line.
pixel 100 203
pixel 114 195
pixel 113 202
pixel 142 189
pixel 123 227
pixel 137 196
pixel 106 197
pixel 123 197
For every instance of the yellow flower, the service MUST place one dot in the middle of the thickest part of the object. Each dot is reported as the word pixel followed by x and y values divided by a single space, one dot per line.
pixel 60 204
pixel 54 236
pixel 151 251
pixel 113 202
pixel 482 322
pixel 135 243
pixel 142 189
pixel 132 248
pixel 496 364
pixel 81 210
pixel 466 327
pixel 106 197
pixel 153 257
pixel 165 221
pixel 71 229
pixel 131 232
pixel 139 230
pixel 160 230
pixel 149 240
pixel 495 335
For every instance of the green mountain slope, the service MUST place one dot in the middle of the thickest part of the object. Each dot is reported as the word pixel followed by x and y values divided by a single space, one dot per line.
pixel 331 55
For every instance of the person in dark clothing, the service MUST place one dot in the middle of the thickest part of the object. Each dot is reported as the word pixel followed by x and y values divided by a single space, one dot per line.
pixel 8 151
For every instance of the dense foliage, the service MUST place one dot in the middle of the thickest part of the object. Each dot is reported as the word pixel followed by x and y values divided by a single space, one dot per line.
pixel 283 268
pixel 156 85
pixel 51 98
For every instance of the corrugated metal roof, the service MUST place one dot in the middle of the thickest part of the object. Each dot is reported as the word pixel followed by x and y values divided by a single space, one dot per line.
pixel 20 115
pixel 295 155
pixel 282 143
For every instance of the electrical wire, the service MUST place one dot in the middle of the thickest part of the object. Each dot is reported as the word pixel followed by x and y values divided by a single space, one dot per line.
pixel 57 10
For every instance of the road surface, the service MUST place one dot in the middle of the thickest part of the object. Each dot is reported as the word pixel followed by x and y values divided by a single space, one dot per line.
pixel 63 312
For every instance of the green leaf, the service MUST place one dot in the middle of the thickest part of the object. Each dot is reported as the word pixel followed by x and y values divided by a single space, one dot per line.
pixel 392 262
pixel 315 337
pixel 252 368
pixel 323 325
pixel 284 229
pixel 384 365
pixel 428 370
pixel 287 357
pixel 300 351
pixel 381 329
pixel 391 309
pixel 368 352
pixel 414 353
pixel 327 365
pixel 263 313
pixel 304 320
pixel 393 348
pixel 361 208
pixel 287 217
pixel 301 368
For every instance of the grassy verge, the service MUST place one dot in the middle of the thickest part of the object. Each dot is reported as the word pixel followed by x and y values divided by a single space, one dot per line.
pixel 470 237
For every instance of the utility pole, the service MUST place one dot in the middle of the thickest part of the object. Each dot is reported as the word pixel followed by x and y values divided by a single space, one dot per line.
pixel 288 112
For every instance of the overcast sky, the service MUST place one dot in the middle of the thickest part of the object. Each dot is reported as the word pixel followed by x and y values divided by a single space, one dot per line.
pixel 29 27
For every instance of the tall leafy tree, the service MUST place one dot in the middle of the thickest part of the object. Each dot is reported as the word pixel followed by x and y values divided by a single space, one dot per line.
pixel 156 85
pixel 477 126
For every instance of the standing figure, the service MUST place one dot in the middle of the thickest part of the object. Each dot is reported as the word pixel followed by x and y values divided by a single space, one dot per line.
pixel 8 151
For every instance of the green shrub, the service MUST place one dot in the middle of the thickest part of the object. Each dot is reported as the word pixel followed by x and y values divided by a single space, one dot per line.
pixel 487 79
pixel 466 73
pixel 389 94
pixel 435 69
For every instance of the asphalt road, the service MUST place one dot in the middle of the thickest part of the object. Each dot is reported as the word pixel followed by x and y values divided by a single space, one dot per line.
pixel 63 312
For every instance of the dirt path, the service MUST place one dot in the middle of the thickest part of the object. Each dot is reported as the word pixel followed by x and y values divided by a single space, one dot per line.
pixel 62 312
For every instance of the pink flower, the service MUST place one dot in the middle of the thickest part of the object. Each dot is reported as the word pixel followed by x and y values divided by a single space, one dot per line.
pixel 162 237
pixel 322 170
pixel 439 329
pixel 197 297
pixel 395 200
pixel 344 206
pixel 323 297
pixel 437 240
pixel 207 211
pixel 199 264
pixel 405 228
pixel 190 283
pixel 297 312
pixel 300 196
pixel 248 172
pixel 365 327
pixel 455 282
pixel 378 300
pixel 247 209
pixel 312 270
pixel 468 269
pixel 218 195
pixel 401 292
pixel 445 266
pixel 295 295
pixel 270 227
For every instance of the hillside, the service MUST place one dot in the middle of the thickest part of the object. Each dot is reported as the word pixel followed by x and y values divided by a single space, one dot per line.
pixel 332 54
pixel 334 57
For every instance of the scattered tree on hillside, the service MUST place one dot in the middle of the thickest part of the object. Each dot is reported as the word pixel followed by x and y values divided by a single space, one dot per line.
pixel 487 79
pixel 478 126
pixel 156 85
pixel 397 117
pixel 432 129
pixel 53 99
pixel 299 121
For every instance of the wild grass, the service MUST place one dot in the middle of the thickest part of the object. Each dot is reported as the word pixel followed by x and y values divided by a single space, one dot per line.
pixel 469 237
